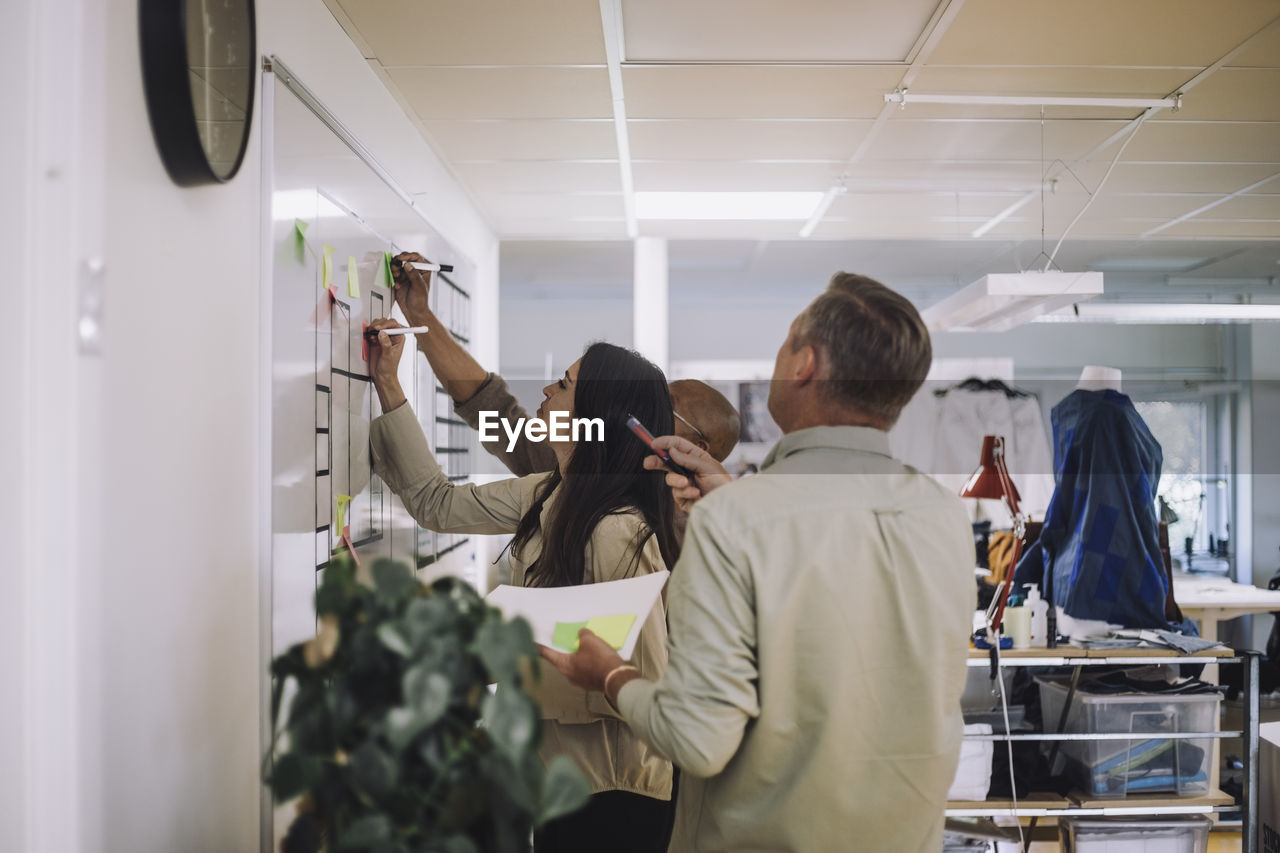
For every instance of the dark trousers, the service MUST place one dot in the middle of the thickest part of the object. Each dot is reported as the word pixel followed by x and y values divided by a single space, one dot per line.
pixel 613 821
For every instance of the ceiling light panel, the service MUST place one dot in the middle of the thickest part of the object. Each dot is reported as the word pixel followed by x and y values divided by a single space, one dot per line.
pixel 766 31
pixel 757 91
pixel 479 32
pixel 1187 33
pixel 510 93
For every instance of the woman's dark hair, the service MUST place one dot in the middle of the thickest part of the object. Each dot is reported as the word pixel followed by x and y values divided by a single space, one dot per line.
pixel 605 477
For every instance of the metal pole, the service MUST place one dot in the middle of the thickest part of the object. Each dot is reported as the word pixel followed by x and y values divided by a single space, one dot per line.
pixel 1249 792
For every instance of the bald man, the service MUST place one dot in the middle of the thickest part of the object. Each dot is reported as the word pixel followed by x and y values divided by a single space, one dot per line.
pixel 702 414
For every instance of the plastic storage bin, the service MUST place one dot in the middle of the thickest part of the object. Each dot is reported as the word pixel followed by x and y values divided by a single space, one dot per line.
pixel 1182 834
pixel 1147 763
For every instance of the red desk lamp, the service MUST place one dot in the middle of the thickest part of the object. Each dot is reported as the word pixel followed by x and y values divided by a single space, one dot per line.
pixel 991 480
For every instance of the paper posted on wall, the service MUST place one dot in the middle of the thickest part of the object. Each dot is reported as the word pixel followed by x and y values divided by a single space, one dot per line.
pixel 615 610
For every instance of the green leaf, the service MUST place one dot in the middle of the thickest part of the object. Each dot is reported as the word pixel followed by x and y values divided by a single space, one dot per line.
pixel 392 580
pixel 426 698
pixel 373 771
pixel 511 720
pixel 564 790
pixel 366 831
pixel 393 638
pixel 501 645
pixel 292 774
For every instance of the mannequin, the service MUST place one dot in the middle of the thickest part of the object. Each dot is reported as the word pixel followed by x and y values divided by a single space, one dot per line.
pixel 1097 378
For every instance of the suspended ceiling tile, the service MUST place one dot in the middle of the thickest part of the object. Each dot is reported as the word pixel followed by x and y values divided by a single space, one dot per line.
pixel 534 139
pixel 1166 33
pixel 894 206
pixel 766 92
pixel 1160 208
pixel 1237 229
pixel 542 228
pixel 1217 142
pixel 763 30
pixel 1249 207
pixel 731 139
pixel 1183 178
pixel 888 228
pixel 672 176
pixel 508 205
pixel 988 140
pixel 1264 52
pixel 1062 81
pixel 511 93
pixel 534 176
pixel 478 32
pixel 711 230
pixel 1009 175
pixel 1232 94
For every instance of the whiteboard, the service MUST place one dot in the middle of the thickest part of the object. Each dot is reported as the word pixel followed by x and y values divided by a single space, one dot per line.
pixel 329 197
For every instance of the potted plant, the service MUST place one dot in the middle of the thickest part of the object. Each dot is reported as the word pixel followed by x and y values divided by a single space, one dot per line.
pixel 394 741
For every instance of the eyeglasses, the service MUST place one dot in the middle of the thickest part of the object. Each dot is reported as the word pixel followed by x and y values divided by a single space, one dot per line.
pixel 702 435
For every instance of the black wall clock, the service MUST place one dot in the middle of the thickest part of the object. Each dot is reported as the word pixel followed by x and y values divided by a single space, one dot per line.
pixel 198 68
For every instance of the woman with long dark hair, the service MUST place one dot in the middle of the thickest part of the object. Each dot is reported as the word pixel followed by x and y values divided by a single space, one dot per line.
pixel 600 516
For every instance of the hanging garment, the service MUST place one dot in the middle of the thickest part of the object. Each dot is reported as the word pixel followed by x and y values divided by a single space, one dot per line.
pixel 1100 536
pixel 940 434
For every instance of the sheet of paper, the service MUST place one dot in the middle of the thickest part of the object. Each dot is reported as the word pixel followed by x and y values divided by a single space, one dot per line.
pixel 557 613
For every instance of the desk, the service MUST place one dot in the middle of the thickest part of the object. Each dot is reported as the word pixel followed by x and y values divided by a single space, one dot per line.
pixel 1210 600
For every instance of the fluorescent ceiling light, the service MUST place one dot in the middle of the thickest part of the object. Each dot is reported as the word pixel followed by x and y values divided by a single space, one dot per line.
pixel 726 205
pixel 1001 301
pixel 302 204
pixel 904 97
pixel 1165 312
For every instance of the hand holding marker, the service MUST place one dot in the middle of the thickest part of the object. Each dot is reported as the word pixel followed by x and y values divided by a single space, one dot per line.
pixel 647 437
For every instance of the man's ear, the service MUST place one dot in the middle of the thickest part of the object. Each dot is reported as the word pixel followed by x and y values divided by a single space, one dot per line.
pixel 805 367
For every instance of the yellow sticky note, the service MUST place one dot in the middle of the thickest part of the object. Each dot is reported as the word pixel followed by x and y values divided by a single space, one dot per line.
pixel 326 267
pixel 612 629
pixel 342 501
pixel 300 239
pixel 353 277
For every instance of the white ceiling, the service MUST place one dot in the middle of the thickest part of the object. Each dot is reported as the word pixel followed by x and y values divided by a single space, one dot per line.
pixel 760 95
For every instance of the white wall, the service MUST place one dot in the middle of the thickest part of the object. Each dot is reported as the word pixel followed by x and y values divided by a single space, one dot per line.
pixel 139 469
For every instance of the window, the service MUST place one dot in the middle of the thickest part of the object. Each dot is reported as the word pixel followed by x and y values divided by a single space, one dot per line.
pixel 1182 430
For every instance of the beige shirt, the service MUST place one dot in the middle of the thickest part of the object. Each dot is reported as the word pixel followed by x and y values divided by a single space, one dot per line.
pixel 576 723
pixel 818 625
pixel 493 395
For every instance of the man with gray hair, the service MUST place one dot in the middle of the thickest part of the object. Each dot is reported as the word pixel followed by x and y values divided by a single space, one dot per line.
pixel 819 612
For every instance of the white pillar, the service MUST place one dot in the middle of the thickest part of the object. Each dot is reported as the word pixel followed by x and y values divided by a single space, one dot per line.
pixel 649 300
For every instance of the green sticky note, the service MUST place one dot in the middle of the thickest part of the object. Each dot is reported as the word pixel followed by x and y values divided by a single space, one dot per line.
pixel 326 267
pixel 388 280
pixel 612 629
pixel 341 514
pixel 353 277
pixel 566 635
pixel 300 239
